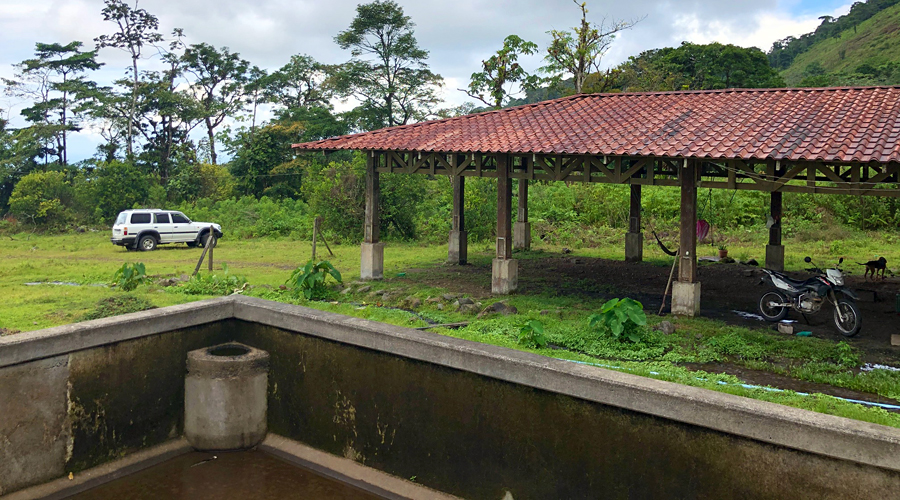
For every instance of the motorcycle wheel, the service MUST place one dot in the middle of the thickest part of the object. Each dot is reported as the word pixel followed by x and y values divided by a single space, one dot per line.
pixel 769 312
pixel 852 319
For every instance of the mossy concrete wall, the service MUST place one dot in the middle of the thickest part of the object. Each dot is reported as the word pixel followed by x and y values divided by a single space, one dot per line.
pixel 478 437
pixel 473 420
pixel 111 387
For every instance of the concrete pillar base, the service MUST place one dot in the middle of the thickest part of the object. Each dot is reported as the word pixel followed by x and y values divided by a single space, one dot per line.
pixel 685 299
pixel 371 265
pixel 457 252
pixel 634 247
pixel 775 257
pixel 504 276
pixel 522 236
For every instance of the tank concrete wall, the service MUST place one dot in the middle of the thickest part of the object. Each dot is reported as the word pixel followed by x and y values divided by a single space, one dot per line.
pixel 473 420
pixel 77 396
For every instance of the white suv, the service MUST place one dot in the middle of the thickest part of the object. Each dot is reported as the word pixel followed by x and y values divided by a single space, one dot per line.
pixel 146 228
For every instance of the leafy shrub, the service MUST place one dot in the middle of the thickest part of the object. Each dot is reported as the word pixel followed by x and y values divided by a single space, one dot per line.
pixel 213 284
pixel 622 317
pixel 310 279
pixel 114 306
pixel 532 334
pixel 43 198
pixel 128 277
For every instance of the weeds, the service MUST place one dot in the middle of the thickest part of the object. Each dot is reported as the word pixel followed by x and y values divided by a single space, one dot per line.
pixel 213 284
pixel 532 334
pixel 624 318
pixel 114 306
pixel 127 278
pixel 310 279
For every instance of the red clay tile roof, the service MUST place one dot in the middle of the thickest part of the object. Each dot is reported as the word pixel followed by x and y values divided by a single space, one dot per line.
pixel 848 124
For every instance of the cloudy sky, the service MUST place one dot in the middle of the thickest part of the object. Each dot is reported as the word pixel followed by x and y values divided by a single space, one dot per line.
pixel 459 33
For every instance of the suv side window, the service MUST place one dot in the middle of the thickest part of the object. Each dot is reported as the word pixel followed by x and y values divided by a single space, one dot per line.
pixel 140 218
pixel 179 219
pixel 161 218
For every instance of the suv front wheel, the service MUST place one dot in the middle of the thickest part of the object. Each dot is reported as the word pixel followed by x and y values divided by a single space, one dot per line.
pixel 147 243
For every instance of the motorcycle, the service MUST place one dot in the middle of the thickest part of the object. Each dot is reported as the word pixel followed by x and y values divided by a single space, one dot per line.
pixel 808 297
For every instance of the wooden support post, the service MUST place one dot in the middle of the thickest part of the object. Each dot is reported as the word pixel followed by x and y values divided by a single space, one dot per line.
pixel 686 291
pixel 504 270
pixel 522 228
pixel 457 251
pixel 634 238
pixel 210 243
pixel 372 253
pixel 315 232
pixel 775 250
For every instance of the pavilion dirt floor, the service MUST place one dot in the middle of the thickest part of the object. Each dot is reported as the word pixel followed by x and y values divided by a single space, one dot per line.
pixel 726 290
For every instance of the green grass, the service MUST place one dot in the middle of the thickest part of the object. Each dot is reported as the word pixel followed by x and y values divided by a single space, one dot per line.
pixel 89 259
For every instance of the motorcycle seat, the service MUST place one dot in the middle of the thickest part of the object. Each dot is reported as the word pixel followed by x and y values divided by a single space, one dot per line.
pixel 789 280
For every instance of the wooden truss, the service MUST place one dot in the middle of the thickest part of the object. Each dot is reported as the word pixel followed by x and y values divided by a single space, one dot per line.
pixel 769 176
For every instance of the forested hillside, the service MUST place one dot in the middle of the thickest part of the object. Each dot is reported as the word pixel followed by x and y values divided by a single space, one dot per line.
pixel 860 48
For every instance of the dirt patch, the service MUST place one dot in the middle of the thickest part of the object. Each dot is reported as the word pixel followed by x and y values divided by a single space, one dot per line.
pixel 7 331
pixel 768 379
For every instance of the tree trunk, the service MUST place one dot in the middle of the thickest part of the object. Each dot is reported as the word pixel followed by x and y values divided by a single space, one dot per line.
pixel 212 142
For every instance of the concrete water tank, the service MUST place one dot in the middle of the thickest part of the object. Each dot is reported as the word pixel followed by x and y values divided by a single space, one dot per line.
pixel 225 397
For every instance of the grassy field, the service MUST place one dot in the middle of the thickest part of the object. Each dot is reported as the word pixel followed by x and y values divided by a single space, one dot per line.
pixel 89 261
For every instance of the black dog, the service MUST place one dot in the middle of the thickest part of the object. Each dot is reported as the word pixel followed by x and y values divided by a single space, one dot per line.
pixel 873 266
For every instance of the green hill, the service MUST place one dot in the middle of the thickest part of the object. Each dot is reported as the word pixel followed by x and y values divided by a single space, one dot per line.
pixel 866 54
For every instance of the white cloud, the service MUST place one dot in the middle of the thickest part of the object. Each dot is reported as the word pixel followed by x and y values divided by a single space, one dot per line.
pixel 458 34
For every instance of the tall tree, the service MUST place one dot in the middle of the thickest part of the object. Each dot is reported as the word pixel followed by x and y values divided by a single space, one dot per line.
pixel 298 84
pixel 220 76
pixel 52 81
pixel 387 72
pixel 493 85
pixel 135 28
pixel 579 52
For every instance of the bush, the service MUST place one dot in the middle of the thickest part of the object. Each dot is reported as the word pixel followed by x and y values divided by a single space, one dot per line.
pixel 43 198
pixel 309 280
pixel 127 278
pixel 623 318
pixel 112 187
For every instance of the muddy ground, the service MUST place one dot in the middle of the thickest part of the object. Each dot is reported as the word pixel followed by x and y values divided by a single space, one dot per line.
pixel 725 290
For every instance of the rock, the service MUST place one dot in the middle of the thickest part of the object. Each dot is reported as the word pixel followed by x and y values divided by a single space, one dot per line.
pixel 785 328
pixel 726 260
pixel 456 304
pixel 413 302
pixel 346 290
pixel 433 300
pixel 80 229
pixel 364 289
pixel 748 273
pixel 566 250
pixel 752 262
pixel 468 309
pixel 449 296
pixel 465 301
pixel 439 306
pixel 499 308
pixel 357 283
pixel 667 328
pixel 184 277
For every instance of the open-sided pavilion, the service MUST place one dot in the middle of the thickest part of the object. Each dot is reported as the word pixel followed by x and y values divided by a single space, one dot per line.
pixel 822 141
